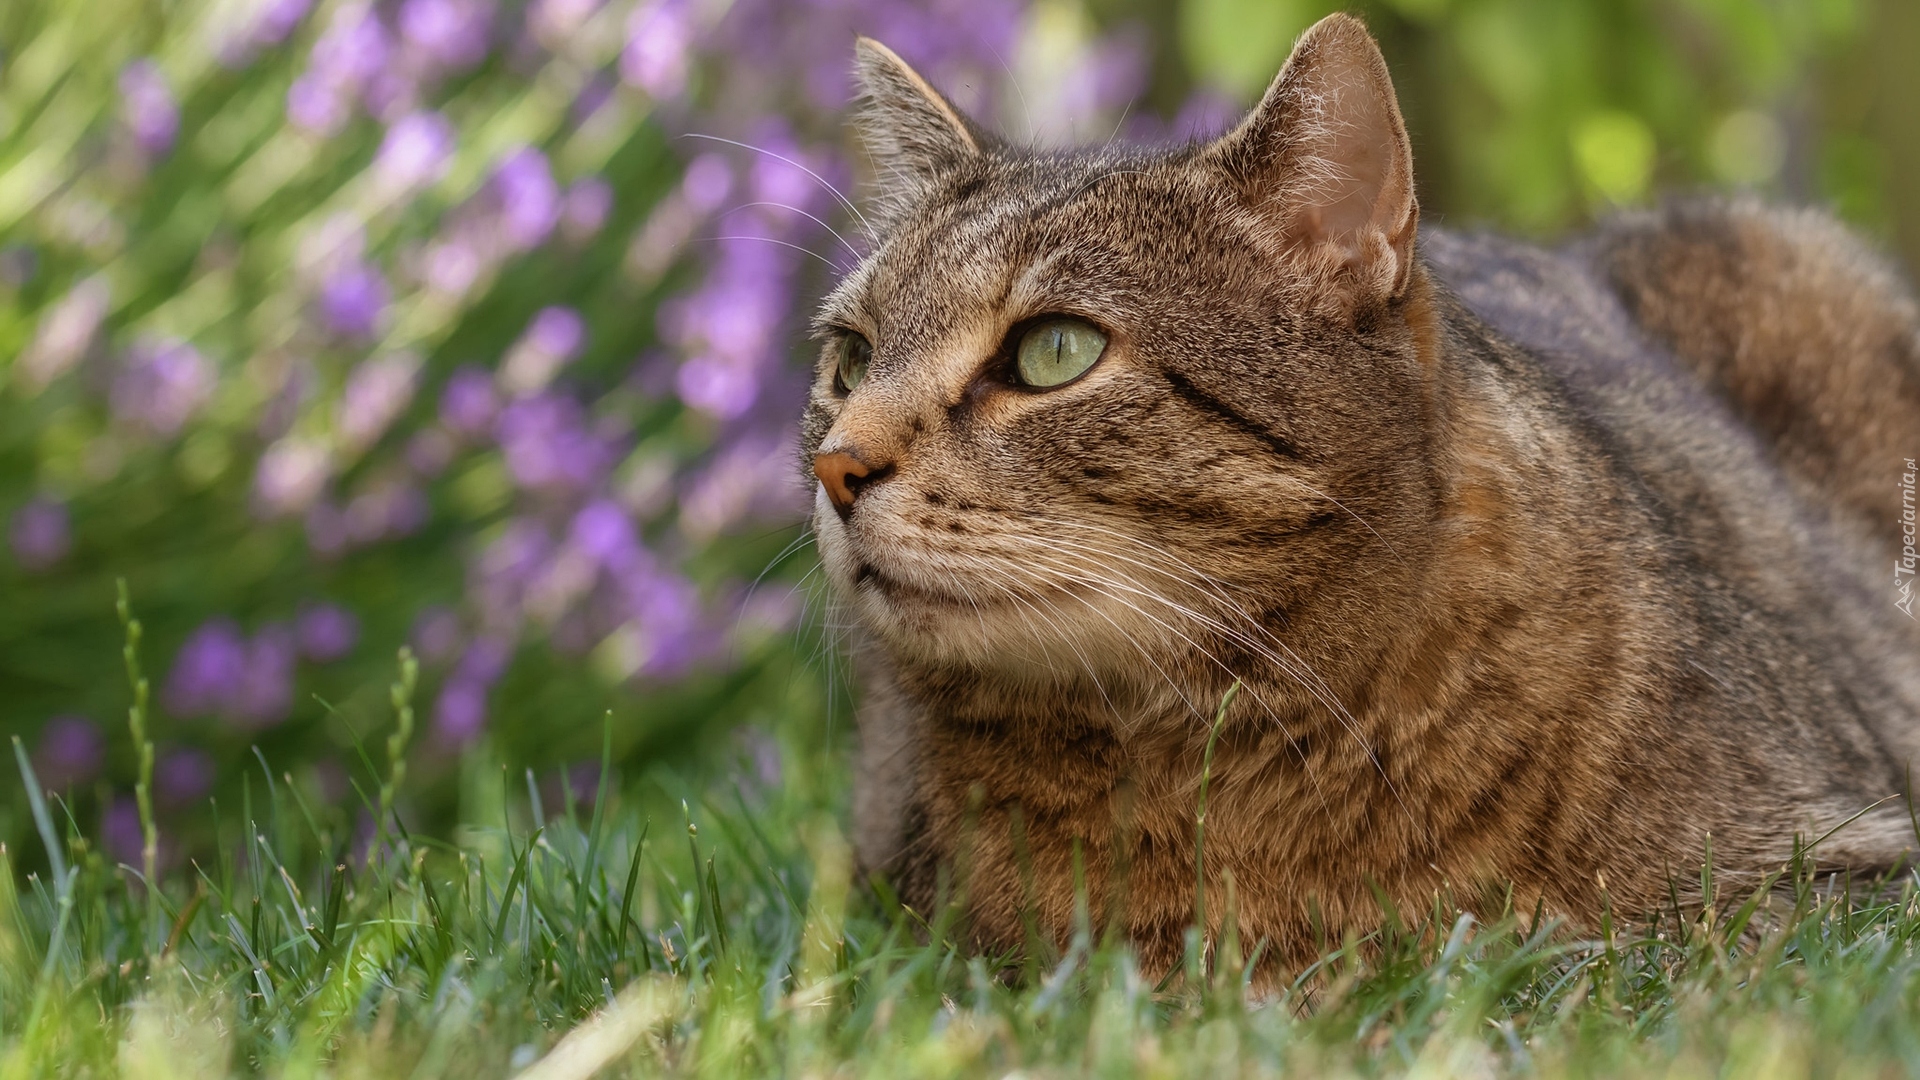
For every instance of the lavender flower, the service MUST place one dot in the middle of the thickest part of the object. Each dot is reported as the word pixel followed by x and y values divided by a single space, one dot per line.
pixel 452 34
pixel 161 385
pixel 415 152
pixel 352 300
pixel 468 404
pixel 148 108
pixel 70 753
pixel 461 710
pixel 659 36
pixel 551 339
pixel 120 831
pixel 547 446
pixel 264 694
pixel 291 475
pixel 326 632
pixel 436 635
pixel 41 534
pixel 586 207
pixel 528 197
pixel 316 105
pixel 207 669
pixel 65 332
pixel 183 777
pixel 377 392
pixel 275 21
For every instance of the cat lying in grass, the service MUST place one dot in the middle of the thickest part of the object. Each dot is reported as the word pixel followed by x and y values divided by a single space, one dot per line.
pixel 1541 570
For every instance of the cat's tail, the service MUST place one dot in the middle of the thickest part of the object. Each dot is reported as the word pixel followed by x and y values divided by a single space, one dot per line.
pixel 1811 335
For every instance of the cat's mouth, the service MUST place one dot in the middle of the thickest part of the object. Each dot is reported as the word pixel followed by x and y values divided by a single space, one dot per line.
pixel 898 590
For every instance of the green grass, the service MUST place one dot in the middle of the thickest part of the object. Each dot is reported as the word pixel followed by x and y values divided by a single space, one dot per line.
pixel 695 922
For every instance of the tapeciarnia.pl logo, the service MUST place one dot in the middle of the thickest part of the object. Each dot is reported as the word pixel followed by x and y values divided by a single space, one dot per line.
pixel 1904 566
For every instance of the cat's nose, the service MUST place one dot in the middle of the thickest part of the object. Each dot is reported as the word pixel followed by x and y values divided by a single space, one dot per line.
pixel 843 474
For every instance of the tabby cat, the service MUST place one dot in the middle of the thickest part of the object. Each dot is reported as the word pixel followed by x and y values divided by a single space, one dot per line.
pixel 1538 570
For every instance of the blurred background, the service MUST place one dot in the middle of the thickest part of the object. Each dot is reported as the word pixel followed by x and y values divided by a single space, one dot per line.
pixel 477 327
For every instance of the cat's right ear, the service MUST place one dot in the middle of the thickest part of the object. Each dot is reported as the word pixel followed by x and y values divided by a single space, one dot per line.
pixel 1325 164
pixel 912 131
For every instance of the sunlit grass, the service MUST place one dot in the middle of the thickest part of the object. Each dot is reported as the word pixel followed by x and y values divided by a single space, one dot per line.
pixel 708 925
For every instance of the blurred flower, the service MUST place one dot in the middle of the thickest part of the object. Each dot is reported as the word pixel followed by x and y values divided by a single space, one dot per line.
pixel 451 33
pixel 548 447
pixel 65 332
pixel 587 204
pixel 717 387
pixel 161 385
pixel 377 392
pixel 658 38
pixel 70 753
pixel 316 106
pixel 468 404
pixel 436 634
pixel 352 300
pixel 603 532
pixel 264 694
pixel 429 452
pixel 748 481
pixel 529 198
pixel 326 632
pixel 41 534
pixel 554 21
pixel 206 670
pixel 389 507
pixel 219 672
pixel 415 152
pixel 277 19
pixel 147 106
pixel 182 777
pixel 291 474
pixel 120 830
pixel 461 710
pixel 551 339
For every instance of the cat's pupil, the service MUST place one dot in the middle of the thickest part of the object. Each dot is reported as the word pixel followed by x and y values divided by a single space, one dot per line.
pixel 1058 351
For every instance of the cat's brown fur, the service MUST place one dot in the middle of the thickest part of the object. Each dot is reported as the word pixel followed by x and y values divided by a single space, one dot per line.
pixel 1538 568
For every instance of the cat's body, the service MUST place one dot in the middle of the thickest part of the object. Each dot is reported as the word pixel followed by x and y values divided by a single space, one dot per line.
pixel 1537 569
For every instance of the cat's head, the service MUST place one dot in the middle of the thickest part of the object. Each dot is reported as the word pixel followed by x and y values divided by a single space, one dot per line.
pixel 1087 410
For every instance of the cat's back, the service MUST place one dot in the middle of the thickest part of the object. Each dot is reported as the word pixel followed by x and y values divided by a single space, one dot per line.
pixel 1752 375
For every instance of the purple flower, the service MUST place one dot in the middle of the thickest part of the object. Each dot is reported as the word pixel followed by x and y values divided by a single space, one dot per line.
pixel 41 534
pixel 415 151
pixel 161 385
pixel 264 694
pixel 352 300
pixel 436 635
pixel 120 831
pixel 707 183
pixel 70 753
pixel 460 712
pixel 715 387
pixel 587 204
pixel 377 392
pixel 468 404
pixel 291 475
pixel 548 447
pixel 278 19
pixel 147 106
pixel 602 531
pixel 316 105
pixel 65 332
pixel 451 33
pixel 658 38
pixel 208 668
pixel 353 50
pixel 183 777
pixel 529 198
pixel 326 632
pixel 553 21
pixel 429 452
pixel 551 339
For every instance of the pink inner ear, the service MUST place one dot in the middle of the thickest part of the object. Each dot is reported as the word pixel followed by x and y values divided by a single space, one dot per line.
pixel 1344 159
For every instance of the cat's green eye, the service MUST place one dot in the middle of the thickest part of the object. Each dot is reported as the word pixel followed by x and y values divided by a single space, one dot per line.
pixel 1057 352
pixel 856 353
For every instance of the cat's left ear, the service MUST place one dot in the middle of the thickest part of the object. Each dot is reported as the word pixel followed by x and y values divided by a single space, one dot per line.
pixel 1324 160
pixel 913 132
